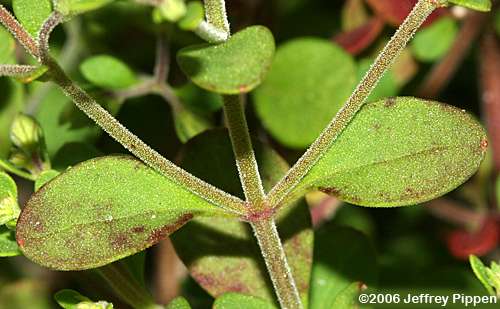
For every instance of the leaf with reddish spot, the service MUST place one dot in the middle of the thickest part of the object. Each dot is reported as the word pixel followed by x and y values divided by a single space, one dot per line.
pixel 357 40
pixel 394 12
pixel 103 210
pixel 399 151
pixel 222 255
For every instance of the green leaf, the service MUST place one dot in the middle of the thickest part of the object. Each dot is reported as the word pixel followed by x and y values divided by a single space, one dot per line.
pixel 400 151
pixel 178 303
pixel 478 5
pixel 173 10
pixel 7 48
pixel 433 42
pixel 236 66
pixel 198 100
pixel 8 245
pixel 497 22
pixel 240 301
pixel 108 72
pixel 12 98
pixel 74 7
pixel 32 13
pixel 195 14
pixel 9 209
pixel 222 255
pixel 59 128
pixel 348 297
pixel 103 210
pixel 309 81
pixel 45 177
pixel 341 256
pixel 29 150
pixel 70 299
pixel 481 273
pixel 189 124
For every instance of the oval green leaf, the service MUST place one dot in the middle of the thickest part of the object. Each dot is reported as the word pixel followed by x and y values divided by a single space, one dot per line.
pixel 241 301
pixel 102 210
pixel 178 303
pixel 108 72
pixel 308 83
pixel 236 66
pixel 342 256
pixel 8 245
pixel 32 13
pixel 478 5
pixel 7 48
pixel 74 7
pixel 221 254
pixel 433 42
pixel 400 151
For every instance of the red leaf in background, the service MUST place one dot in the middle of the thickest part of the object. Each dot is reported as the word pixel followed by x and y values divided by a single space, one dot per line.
pixel 355 41
pixel 462 243
pixel 490 86
pixel 394 12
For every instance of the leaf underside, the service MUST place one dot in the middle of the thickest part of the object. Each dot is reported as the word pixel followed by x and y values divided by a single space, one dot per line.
pixel 102 210
pixel 399 151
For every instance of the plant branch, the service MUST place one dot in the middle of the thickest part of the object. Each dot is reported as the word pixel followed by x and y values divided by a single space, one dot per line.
pixel 215 12
pixel 162 60
pixel 418 15
pixel 269 241
pixel 126 286
pixel 54 19
pixel 140 149
pixel 22 36
pixel 242 146
pixel 16 70
pixel 442 72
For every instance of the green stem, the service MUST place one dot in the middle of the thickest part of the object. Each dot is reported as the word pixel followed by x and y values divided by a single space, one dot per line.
pixel 391 51
pixel 269 241
pixel 136 146
pixel 243 151
pixel 126 286
pixel 215 11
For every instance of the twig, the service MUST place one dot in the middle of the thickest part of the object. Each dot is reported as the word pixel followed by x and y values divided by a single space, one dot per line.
pixel 243 151
pixel 16 70
pixel 18 32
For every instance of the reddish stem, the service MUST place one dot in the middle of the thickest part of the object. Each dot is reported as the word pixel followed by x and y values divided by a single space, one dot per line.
pixel 442 72
pixel 490 84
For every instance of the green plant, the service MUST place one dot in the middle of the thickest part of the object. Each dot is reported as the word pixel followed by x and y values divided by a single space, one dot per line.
pixel 387 153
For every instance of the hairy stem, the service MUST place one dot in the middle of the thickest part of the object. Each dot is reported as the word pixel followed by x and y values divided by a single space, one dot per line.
pixel 277 265
pixel 136 146
pixel 16 70
pixel 243 151
pixel 18 32
pixel 126 286
pixel 391 51
pixel 215 11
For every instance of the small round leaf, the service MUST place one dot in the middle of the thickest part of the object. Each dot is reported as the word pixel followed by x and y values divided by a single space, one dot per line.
pixel 236 66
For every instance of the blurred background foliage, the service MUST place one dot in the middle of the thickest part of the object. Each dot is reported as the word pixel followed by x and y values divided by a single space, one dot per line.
pixel 111 52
